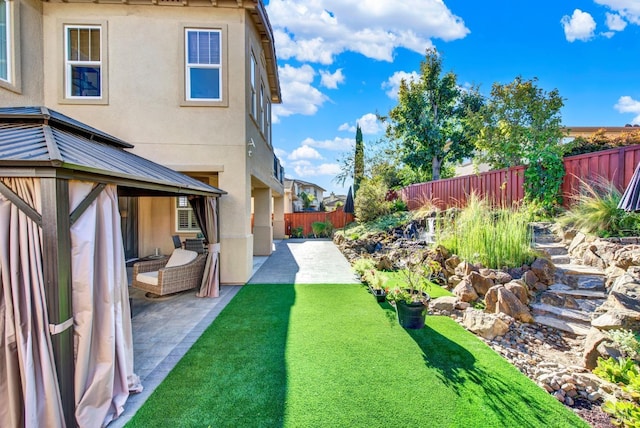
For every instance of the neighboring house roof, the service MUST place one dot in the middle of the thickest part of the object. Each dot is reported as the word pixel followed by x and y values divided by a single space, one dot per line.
pixel 333 199
pixel 288 184
pixel 40 137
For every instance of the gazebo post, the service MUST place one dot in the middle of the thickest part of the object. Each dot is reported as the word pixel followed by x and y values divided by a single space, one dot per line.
pixel 57 276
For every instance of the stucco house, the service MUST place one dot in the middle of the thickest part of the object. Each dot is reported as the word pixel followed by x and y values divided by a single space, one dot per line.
pixel 188 83
pixel 293 189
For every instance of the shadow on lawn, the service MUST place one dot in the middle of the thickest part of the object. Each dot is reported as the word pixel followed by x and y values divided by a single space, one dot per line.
pixel 499 387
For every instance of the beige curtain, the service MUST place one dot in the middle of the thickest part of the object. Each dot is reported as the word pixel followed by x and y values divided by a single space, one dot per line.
pixel 102 319
pixel 28 382
pixel 210 286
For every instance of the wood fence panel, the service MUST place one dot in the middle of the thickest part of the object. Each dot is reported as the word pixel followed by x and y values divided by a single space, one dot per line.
pixel 338 219
pixel 506 186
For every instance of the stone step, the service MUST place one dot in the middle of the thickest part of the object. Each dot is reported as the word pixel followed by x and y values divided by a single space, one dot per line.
pixel 561 259
pixel 553 249
pixel 546 239
pixel 580 277
pixel 576 293
pixel 575 269
pixel 563 313
pixel 571 327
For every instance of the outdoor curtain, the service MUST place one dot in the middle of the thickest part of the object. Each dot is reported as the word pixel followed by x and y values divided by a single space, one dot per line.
pixel 205 209
pixel 102 316
pixel 28 381
pixel 103 343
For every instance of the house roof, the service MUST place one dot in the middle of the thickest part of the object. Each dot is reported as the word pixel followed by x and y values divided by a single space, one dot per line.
pixel 288 183
pixel 37 138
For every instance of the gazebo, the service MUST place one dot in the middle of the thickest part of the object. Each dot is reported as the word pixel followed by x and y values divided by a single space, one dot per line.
pixel 65 325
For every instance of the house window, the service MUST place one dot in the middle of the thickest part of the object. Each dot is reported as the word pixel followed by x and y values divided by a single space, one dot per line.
pixel 83 62
pixel 263 110
pixel 267 118
pixel 5 48
pixel 203 64
pixel 254 95
pixel 185 217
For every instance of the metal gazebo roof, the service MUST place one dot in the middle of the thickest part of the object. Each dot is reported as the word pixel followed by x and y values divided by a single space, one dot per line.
pixel 39 138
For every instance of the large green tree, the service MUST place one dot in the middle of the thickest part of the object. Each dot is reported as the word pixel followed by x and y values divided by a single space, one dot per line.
pixel 358 161
pixel 521 124
pixel 429 121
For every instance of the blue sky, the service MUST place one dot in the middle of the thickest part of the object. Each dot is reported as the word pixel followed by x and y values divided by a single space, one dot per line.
pixel 340 62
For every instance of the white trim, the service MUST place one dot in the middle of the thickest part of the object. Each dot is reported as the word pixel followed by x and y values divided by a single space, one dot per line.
pixel 188 66
pixel 8 31
pixel 69 64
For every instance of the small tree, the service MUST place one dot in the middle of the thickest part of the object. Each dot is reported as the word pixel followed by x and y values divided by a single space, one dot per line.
pixel 521 124
pixel 307 199
pixel 371 201
pixel 358 161
pixel 429 120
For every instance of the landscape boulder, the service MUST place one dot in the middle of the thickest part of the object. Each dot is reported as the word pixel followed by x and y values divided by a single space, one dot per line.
pixel 520 291
pixel 465 291
pixel 544 270
pixel 486 325
pixel 590 354
pixel 480 283
pixel 500 300
pixel 444 303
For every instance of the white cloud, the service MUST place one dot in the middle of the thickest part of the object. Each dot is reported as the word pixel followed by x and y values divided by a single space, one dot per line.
pixel 579 26
pixel 615 22
pixel 304 152
pixel 318 30
pixel 369 124
pixel 392 84
pixel 626 104
pixel 346 127
pixel 307 169
pixel 298 94
pixel 627 9
pixel 331 80
pixel 335 144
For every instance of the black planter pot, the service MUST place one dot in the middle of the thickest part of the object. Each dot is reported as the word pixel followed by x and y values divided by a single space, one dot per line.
pixel 380 295
pixel 411 315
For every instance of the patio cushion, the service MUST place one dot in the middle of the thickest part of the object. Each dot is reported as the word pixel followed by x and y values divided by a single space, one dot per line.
pixel 181 257
pixel 148 277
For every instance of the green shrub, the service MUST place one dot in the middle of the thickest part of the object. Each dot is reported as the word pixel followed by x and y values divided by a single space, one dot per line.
pixel 398 205
pixel 296 232
pixel 596 212
pixel 370 202
pixel 374 279
pixel 495 238
pixel 625 413
pixel 322 229
pixel 616 370
pixel 362 265
pixel 627 342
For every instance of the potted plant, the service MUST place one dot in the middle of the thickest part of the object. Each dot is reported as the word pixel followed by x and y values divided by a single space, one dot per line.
pixel 375 280
pixel 412 298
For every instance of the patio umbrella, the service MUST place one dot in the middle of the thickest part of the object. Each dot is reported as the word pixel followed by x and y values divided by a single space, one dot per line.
pixel 630 200
pixel 348 205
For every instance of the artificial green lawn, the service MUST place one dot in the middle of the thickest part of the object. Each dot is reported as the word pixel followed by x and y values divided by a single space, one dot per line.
pixel 330 356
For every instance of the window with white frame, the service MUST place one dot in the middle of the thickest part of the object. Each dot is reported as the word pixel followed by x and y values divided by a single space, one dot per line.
pixel 262 108
pixel 203 64
pixel 267 114
pixel 83 61
pixel 5 47
pixel 254 94
pixel 185 217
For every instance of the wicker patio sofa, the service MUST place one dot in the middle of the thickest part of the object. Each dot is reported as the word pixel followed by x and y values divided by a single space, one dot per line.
pixel 182 271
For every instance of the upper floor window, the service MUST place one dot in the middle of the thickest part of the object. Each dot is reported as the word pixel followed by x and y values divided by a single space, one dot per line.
pixel 254 93
pixel 5 47
pixel 203 64
pixel 83 61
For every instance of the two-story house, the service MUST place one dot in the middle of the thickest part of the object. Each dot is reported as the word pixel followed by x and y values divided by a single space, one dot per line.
pixel 189 83
pixel 295 193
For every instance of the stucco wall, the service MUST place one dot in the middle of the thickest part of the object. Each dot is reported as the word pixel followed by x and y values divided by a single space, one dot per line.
pixel 146 107
pixel 27 88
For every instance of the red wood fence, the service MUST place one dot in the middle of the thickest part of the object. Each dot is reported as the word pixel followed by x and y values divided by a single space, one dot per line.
pixel 338 219
pixel 506 186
